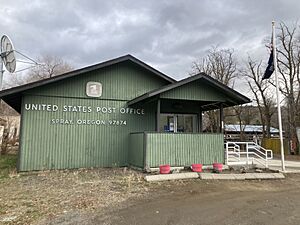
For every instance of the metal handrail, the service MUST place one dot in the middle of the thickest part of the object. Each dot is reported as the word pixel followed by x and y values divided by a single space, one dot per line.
pixel 266 151
pixel 235 147
pixel 236 150
pixel 256 150
pixel 235 155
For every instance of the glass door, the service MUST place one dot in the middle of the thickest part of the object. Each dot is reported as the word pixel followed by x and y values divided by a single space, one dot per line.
pixel 167 123
pixel 186 123
pixel 183 123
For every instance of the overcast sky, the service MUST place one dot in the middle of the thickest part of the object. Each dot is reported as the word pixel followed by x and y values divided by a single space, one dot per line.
pixel 168 35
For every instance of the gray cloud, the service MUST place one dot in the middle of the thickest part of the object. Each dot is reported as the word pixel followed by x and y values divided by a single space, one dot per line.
pixel 168 35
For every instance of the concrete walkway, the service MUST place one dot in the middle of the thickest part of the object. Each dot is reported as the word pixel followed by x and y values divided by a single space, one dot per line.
pixel 274 164
pixel 214 176
pixel 174 176
pixel 243 176
pixel 291 166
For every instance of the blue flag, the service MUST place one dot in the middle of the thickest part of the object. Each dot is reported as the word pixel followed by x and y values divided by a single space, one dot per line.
pixel 270 67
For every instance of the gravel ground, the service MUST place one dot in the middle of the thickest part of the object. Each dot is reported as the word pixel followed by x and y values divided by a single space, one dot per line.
pixel 197 202
pixel 121 196
pixel 45 196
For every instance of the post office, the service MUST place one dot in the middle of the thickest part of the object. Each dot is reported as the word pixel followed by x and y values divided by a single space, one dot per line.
pixel 121 112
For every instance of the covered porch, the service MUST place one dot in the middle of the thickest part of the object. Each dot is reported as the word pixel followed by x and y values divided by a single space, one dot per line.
pixel 178 138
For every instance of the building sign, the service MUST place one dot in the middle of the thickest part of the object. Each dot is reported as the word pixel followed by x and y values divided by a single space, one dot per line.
pixel 86 110
pixel 93 89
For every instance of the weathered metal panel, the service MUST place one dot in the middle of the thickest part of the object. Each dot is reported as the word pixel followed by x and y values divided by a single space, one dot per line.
pixel 48 145
pixel 197 90
pixel 179 149
pixel 122 81
pixel 136 150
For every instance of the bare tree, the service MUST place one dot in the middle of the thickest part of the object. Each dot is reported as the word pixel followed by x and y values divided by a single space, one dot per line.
pixel 261 91
pixel 211 121
pixel 289 68
pixel 222 66
pixel 50 66
pixel 13 80
pixel 219 64
pixel 243 119
pixel 8 138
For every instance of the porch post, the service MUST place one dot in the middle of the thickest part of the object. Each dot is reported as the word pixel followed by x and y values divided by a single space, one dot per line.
pixel 200 126
pixel 221 129
pixel 158 115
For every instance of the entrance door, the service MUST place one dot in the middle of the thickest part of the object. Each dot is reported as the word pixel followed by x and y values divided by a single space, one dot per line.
pixel 167 123
pixel 184 123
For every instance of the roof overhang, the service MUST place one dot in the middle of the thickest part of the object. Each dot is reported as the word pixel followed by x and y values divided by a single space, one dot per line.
pixel 13 96
pixel 236 97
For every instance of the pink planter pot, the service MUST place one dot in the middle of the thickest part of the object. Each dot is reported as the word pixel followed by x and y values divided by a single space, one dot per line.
pixel 197 168
pixel 218 167
pixel 164 169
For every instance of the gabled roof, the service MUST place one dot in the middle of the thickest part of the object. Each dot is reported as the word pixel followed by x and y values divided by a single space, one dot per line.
pixel 237 97
pixel 13 95
pixel 85 70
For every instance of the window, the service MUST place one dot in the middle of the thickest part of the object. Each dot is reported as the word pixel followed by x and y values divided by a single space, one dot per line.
pixel 178 123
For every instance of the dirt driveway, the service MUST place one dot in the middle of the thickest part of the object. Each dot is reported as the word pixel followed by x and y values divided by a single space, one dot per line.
pixel 117 197
pixel 248 202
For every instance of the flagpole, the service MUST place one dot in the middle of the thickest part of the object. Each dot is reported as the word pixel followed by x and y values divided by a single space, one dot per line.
pixel 278 96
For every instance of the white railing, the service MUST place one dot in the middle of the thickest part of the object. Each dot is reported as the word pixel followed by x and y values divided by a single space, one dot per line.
pixel 233 151
pixel 247 152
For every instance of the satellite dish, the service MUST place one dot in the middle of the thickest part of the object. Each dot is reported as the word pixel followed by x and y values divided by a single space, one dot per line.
pixel 7 54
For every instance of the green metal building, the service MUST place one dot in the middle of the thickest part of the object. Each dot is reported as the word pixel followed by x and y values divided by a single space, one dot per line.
pixel 118 113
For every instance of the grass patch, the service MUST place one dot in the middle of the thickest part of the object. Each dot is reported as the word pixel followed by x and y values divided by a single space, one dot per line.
pixel 7 165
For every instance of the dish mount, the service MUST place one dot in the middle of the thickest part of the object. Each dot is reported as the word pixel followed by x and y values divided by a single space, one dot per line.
pixel 7 57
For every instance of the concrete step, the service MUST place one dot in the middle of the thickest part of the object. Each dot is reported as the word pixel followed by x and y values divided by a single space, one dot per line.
pixel 214 176
pixel 245 176
pixel 175 176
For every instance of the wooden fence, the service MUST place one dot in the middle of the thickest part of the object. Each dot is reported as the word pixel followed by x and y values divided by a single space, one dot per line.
pixel 274 144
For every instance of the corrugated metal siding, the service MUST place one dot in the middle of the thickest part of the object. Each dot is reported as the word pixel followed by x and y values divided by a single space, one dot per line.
pixel 46 146
pixel 136 150
pixel 55 146
pixel 178 149
pixel 195 91
pixel 123 81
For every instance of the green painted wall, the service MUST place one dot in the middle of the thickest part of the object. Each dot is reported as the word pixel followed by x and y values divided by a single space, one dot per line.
pixel 56 136
pixel 136 149
pixel 48 145
pixel 178 149
pixel 198 90
pixel 122 81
